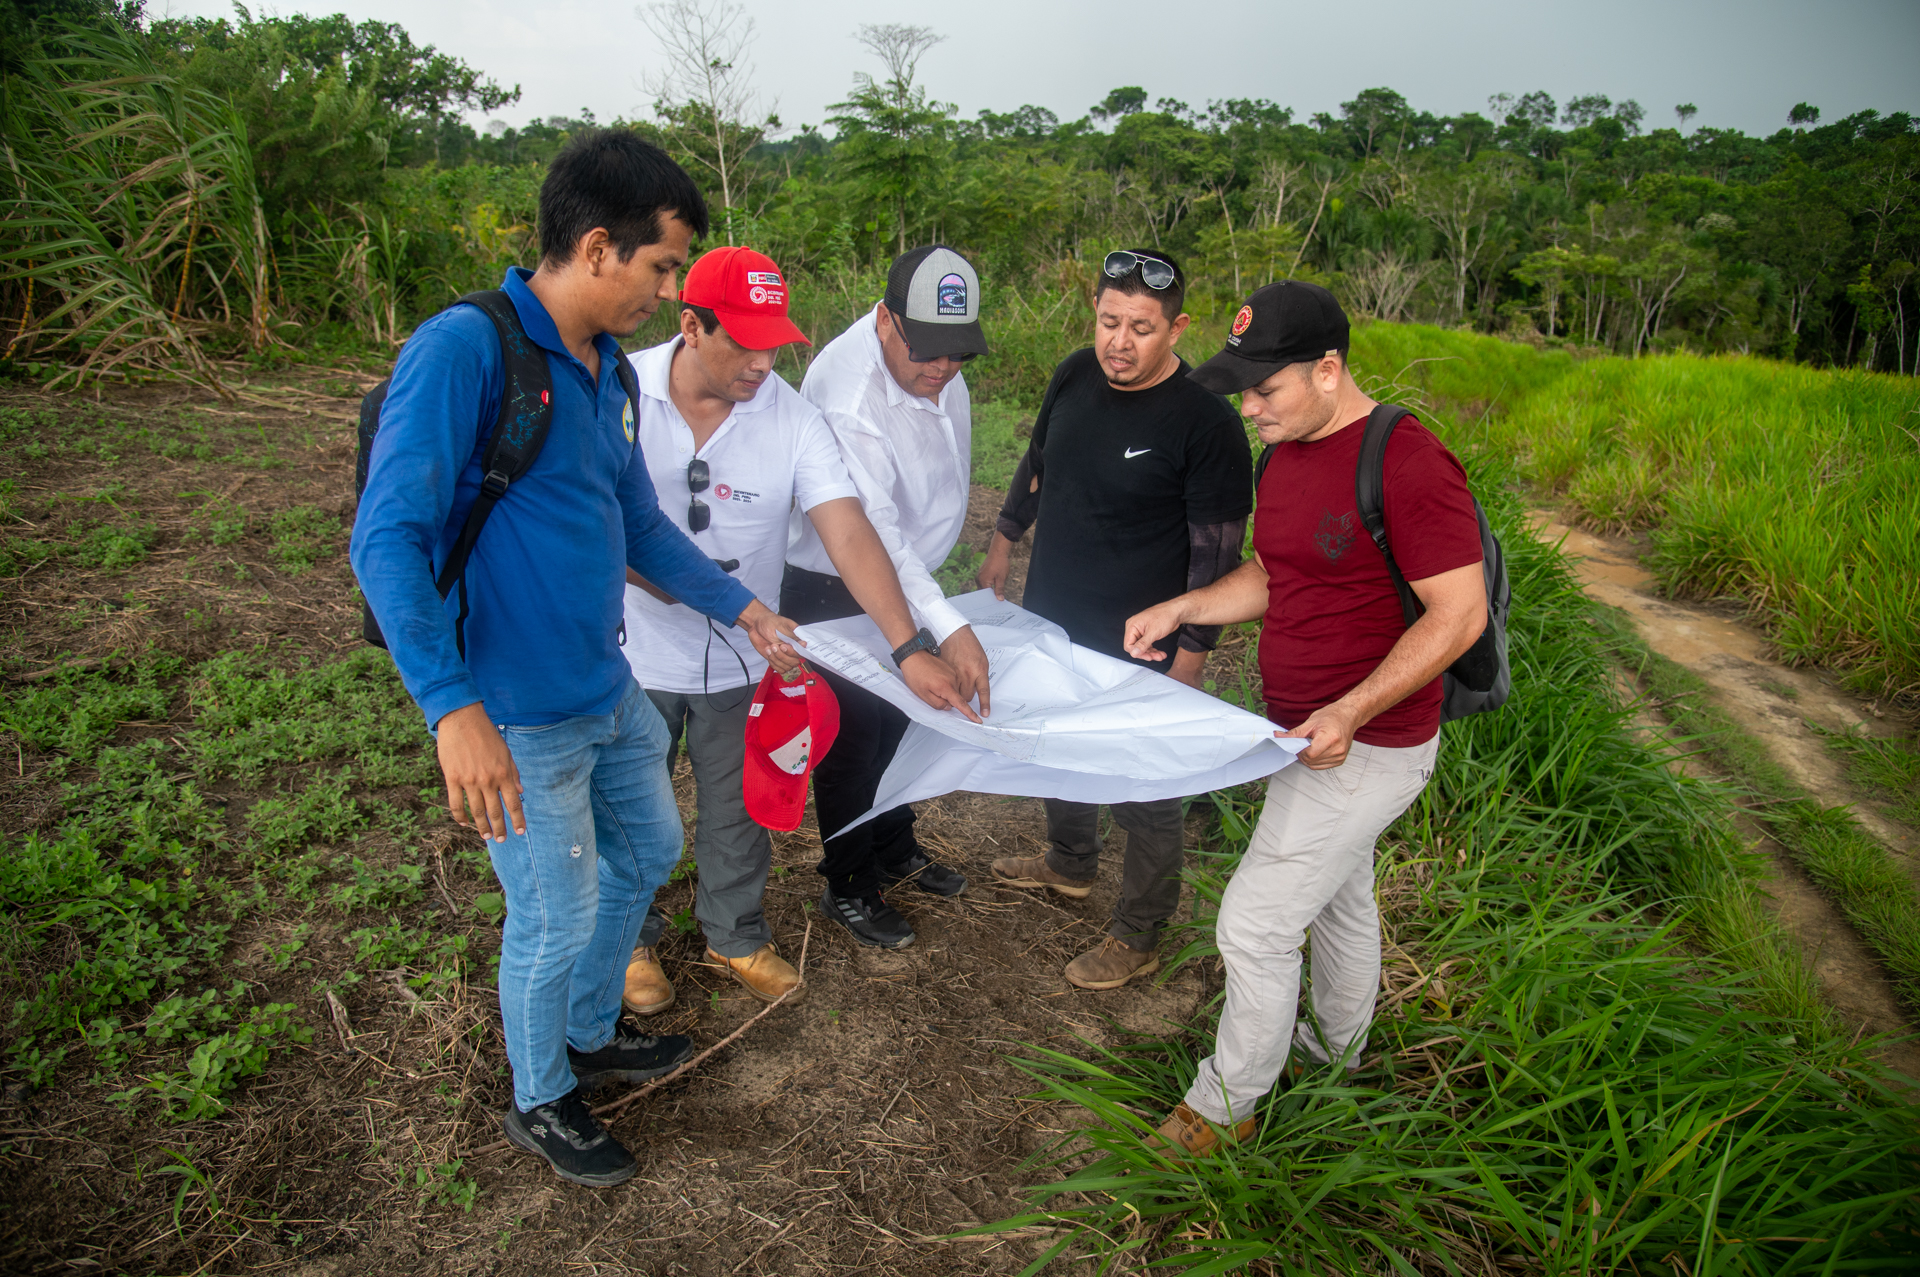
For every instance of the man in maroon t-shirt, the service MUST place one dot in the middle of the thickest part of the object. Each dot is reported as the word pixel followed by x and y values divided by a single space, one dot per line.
pixel 1342 670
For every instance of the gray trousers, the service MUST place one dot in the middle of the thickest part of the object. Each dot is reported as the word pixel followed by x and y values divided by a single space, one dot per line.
pixel 732 852
pixel 1150 878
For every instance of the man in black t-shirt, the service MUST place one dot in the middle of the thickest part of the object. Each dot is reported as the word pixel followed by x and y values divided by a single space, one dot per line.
pixel 1141 480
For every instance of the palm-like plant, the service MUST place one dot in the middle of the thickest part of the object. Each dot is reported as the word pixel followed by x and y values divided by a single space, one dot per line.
pixel 134 230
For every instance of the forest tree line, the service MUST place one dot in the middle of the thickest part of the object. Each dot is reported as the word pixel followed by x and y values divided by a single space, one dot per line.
pixel 199 188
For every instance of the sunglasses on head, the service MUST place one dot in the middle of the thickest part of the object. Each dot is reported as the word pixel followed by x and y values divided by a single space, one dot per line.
pixel 1154 273
pixel 699 515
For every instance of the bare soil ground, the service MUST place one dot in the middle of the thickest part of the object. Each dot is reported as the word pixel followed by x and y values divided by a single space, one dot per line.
pixel 846 1134
pixel 1785 709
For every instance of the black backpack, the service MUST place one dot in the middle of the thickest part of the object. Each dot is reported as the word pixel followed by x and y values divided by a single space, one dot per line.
pixel 520 431
pixel 1482 678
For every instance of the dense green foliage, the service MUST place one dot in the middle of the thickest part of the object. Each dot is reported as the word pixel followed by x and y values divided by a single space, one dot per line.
pixel 1559 1087
pixel 341 184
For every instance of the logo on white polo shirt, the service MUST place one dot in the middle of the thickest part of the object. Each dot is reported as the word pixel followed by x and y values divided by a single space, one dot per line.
pixel 725 492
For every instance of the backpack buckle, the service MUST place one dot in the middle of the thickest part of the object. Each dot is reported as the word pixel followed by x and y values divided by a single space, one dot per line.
pixel 494 486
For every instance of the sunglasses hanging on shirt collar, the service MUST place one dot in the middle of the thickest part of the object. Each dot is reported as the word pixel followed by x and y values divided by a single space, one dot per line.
pixel 699 515
pixel 1154 273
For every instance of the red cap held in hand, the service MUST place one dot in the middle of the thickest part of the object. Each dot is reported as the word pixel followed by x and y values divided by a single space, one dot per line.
pixel 745 290
pixel 789 729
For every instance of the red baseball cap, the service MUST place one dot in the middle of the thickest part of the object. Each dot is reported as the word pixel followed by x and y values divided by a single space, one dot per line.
pixel 790 728
pixel 745 290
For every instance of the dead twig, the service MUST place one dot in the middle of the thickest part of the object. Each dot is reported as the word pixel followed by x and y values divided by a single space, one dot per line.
pixel 615 1106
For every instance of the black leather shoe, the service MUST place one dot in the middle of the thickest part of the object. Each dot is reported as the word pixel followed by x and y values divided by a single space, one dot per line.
pixel 868 919
pixel 572 1140
pixel 928 875
pixel 632 1056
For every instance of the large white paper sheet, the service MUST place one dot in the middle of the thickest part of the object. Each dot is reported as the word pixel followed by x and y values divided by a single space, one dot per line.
pixel 1067 722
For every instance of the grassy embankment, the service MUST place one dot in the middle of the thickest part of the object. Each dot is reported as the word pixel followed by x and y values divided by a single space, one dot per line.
pixel 1554 1081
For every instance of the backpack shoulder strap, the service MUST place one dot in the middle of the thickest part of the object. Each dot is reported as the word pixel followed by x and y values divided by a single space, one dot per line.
pixel 520 431
pixel 1370 496
pixel 1260 469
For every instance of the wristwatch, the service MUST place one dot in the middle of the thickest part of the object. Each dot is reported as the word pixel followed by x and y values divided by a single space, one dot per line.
pixel 921 642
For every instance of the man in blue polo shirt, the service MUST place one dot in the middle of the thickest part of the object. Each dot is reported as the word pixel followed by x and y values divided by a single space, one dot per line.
pixel 549 747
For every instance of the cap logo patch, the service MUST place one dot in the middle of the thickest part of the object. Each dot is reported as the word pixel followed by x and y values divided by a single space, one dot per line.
pixel 763 277
pixel 1243 320
pixel 951 295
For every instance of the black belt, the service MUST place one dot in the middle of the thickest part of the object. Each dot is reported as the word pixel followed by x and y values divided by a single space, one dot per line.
pixel 811 597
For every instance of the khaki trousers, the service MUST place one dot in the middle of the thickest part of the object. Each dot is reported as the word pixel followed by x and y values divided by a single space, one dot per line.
pixel 1308 869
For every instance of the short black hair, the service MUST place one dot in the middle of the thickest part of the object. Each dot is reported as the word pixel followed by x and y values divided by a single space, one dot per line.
pixel 1172 298
pixel 613 178
pixel 708 320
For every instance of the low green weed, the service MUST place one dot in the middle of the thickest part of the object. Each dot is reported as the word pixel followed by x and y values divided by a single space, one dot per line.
pixel 323 811
pixel 955 576
pixel 378 888
pixel 302 537
pixel 218 1063
pixel 444 1185
pixel 75 712
pixel 252 715
pixel 1874 893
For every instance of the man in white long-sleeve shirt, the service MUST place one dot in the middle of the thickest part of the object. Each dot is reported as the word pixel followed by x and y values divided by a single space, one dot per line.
pixel 890 388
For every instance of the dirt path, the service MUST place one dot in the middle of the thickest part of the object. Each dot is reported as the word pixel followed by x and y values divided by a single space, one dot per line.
pixel 1773 704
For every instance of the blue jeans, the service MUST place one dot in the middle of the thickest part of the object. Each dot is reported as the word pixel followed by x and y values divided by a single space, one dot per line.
pixel 603 833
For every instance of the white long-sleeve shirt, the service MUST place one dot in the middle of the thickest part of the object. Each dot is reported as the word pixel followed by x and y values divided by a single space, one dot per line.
pixel 911 459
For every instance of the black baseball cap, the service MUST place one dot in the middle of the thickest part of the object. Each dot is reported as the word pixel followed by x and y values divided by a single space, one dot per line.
pixel 933 295
pixel 1284 323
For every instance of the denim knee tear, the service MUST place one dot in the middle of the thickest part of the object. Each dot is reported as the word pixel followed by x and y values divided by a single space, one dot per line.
pixel 575 853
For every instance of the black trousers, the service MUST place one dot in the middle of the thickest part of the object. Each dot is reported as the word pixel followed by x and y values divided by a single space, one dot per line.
pixel 846 780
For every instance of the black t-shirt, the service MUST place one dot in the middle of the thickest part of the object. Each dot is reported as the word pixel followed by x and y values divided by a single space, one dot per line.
pixel 1122 473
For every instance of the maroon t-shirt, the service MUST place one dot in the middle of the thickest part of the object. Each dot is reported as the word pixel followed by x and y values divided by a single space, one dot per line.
pixel 1332 613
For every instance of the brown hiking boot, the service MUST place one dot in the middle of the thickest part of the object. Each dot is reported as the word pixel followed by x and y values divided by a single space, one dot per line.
pixel 1032 871
pixel 1110 964
pixel 1186 1134
pixel 647 991
pixel 764 973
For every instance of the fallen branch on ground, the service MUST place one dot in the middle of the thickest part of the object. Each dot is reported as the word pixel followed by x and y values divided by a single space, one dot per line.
pixel 614 1106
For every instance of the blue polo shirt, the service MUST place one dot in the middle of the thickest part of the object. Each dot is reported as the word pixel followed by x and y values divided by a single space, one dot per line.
pixel 546 580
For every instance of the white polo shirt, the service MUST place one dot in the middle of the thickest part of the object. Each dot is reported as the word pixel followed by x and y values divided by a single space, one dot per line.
pixel 911 459
pixel 772 454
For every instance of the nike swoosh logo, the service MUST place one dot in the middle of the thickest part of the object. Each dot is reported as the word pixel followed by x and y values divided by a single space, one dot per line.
pixel 1132 452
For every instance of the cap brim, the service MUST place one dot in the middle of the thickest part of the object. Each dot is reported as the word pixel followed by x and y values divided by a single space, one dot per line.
pixel 935 341
pixel 1229 374
pixel 760 332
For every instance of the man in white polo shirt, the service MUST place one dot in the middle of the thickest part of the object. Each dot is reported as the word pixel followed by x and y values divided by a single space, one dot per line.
pixel 891 388
pixel 731 447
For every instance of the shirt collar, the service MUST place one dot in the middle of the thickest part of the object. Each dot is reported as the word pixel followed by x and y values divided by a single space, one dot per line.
pixel 539 324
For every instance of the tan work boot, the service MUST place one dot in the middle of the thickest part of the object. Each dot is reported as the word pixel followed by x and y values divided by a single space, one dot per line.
pixel 1186 1134
pixel 764 973
pixel 1110 964
pixel 1032 871
pixel 647 991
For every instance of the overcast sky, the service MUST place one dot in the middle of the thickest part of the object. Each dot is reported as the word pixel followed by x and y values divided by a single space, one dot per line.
pixel 1744 63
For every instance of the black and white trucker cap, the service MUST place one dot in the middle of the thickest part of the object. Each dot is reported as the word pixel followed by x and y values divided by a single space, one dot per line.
pixel 934 296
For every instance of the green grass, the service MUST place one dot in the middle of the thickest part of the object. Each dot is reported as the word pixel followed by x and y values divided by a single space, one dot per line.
pixel 1612 1059
pixel 1888 769
pixel 1855 871
pixel 1793 489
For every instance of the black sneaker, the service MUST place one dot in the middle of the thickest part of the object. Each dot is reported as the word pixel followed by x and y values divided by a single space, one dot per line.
pixel 573 1142
pixel 868 919
pixel 632 1056
pixel 928 875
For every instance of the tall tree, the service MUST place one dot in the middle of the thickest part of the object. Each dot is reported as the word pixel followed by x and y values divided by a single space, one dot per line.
pixel 891 132
pixel 704 96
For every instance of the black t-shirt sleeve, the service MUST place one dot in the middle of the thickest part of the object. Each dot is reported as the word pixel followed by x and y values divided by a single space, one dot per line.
pixel 1219 477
